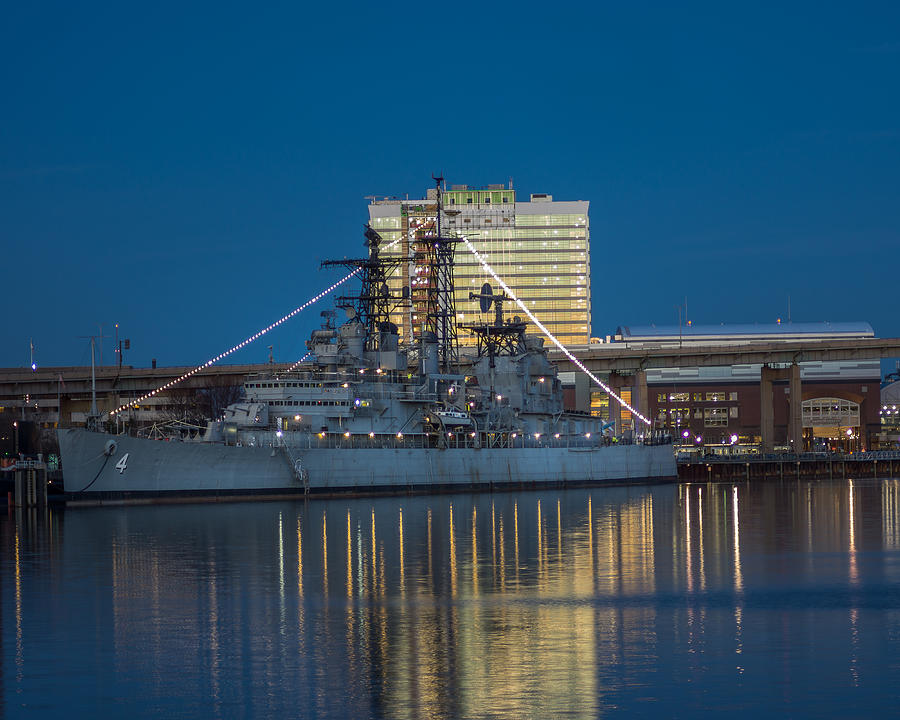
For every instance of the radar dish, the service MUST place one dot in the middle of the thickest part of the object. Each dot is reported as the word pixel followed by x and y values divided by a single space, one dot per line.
pixel 485 300
pixel 351 311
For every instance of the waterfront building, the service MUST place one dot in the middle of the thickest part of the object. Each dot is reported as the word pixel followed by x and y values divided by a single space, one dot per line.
pixel 719 408
pixel 540 247
pixel 890 411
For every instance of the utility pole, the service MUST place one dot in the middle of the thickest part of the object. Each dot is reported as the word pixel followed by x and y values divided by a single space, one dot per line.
pixel 678 307
pixel 101 337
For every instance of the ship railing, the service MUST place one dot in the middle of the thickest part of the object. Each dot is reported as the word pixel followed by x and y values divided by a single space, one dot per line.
pixel 514 440
pixel 337 441
pixel 415 395
pixel 804 457
pixel 368 374
pixel 293 442
pixel 27 465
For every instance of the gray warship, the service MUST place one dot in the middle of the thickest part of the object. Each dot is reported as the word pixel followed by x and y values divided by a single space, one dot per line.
pixel 366 413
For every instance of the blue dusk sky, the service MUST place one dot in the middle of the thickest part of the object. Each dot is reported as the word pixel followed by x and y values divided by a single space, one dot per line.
pixel 182 168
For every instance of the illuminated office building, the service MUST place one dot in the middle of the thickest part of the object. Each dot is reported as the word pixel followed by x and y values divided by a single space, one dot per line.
pixel 541 249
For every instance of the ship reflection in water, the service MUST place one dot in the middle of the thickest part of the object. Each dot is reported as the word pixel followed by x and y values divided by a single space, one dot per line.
pixel 669 600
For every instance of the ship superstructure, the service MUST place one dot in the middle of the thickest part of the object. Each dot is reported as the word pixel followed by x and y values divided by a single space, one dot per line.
pixel 360 384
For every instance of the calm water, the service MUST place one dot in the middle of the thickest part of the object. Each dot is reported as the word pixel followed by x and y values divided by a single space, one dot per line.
pixel 675 601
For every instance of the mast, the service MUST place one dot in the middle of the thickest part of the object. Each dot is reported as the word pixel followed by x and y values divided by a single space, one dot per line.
pixel 373 305
pixel 93 382
pixel 431 296
pixel 441 317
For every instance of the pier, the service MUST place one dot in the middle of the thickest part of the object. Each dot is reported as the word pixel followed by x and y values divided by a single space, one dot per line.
pixel 29 482
pixel 782 466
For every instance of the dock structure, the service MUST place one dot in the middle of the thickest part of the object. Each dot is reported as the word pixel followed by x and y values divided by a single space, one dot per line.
pixel 29 483
pixel 787 466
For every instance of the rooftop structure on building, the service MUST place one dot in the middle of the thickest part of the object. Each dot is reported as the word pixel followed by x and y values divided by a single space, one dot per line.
pixel 740 333
pixel 540 247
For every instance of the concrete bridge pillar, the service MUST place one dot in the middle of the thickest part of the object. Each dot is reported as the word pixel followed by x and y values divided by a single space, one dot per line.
pixel 767 376
pixel 795 422
pixel 583 387
pixel 767 408
pixel 640 399
pixel 616 383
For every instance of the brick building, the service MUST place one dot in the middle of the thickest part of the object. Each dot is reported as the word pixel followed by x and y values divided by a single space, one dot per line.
pixel 719 409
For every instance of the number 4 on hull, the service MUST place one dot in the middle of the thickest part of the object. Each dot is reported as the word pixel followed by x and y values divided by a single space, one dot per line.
pixel 122 464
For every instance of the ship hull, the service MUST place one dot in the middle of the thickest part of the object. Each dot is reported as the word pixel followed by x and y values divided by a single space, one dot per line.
pixel 143 470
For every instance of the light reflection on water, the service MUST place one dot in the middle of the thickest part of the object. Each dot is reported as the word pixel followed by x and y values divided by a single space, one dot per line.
pixel 672 600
